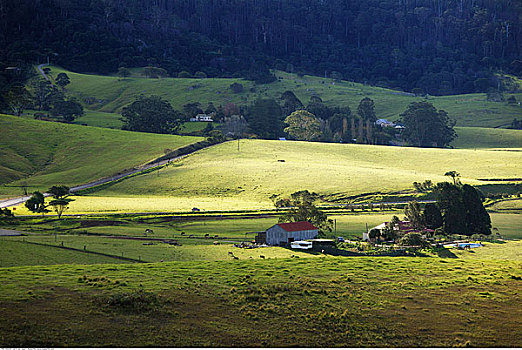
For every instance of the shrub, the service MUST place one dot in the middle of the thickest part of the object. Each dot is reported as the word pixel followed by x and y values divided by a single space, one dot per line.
pixel 413 238
pixel 135 301
pixel 184 74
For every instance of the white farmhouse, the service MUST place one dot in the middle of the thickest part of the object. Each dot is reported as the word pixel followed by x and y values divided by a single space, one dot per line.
pixel 282 234
pixel 202 118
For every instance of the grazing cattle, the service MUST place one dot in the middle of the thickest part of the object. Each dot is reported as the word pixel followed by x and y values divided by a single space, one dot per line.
pixel 216 243
pixel 191 236
pixel 262 256
pixel 182 233
pixel 236 258
pixel 230 253
pixel 149 231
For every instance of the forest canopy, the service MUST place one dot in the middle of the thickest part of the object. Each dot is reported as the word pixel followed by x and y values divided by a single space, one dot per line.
pixel 433 46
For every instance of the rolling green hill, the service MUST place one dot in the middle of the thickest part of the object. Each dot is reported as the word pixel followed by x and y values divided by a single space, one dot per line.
pixel 470 137
pixel 109 94
pixel 46 153
pixel 221 178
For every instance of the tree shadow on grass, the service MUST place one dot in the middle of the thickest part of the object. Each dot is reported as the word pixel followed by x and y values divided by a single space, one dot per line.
pixel 446 253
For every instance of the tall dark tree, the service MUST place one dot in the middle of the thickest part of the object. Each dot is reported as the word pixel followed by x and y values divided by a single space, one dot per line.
pixel 453 209
pixel 68 110
pixel 366 110
pixel 477 218
pixel 62 80
pixel 432 216
pixel 462 209
pixel 150 114
pixel 427 127
pixel 36 203
pixel 290 103
pixel 264 119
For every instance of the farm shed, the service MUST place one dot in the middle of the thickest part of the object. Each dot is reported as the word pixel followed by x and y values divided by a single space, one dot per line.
pixel 282 234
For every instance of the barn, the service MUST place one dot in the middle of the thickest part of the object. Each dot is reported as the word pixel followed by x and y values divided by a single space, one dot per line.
pixel 284 233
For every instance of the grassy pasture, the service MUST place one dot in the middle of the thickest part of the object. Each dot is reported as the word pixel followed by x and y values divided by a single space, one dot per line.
pixel 111 94
pixel 82 235
pixel 469 137
pixel 320 301
pixel 221 178
pixel 190 250
pixel 46 153
pixel 17 253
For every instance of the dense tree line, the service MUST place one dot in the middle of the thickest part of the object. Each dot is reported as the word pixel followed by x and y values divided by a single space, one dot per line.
pixel 433 46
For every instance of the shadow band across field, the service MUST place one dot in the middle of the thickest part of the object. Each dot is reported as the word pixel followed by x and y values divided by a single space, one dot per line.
pixel 87 252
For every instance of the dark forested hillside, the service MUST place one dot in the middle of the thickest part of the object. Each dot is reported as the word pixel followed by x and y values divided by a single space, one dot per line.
pixel 434 46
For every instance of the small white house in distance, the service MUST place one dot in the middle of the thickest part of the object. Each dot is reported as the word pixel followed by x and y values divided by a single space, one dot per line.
pixel 202 118
pixel 282 234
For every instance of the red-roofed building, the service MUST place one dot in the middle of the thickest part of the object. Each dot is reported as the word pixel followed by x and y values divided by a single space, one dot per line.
pixel 284 233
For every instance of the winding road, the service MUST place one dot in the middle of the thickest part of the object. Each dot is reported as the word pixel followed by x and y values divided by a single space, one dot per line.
pixel 19 200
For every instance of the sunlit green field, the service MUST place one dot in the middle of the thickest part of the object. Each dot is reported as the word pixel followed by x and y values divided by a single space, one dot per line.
pixel 221 178
pixel 115 93
pixel 46 153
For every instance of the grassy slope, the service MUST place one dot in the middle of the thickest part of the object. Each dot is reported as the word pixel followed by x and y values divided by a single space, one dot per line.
pixel 53 153
pixel 350 302
pixel 111 94
pixel 469 137
pixel 222 178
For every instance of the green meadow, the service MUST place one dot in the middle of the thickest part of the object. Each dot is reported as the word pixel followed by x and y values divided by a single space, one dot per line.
pixel 220 178
pixel 472 299
pixel 110 94
pixel 470 137
pixel 46 153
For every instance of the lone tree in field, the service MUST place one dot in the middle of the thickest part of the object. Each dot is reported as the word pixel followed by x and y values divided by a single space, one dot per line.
pixel 303 125
pixel 302 208
pixel 424 126
pixel 455 176
pixel 60 203
pixel 150 114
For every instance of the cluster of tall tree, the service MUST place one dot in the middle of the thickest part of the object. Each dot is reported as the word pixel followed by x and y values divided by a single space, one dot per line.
pixel 425 126
pixel 23 89
pixel 459 210
pixel 433 46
